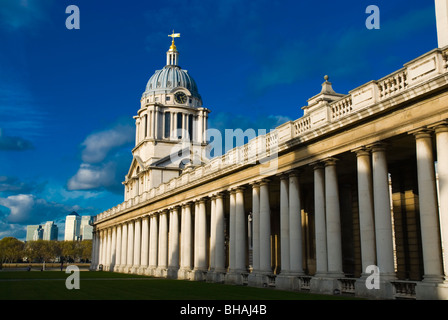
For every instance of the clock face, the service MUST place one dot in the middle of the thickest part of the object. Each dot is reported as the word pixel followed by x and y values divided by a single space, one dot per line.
pixel 180 97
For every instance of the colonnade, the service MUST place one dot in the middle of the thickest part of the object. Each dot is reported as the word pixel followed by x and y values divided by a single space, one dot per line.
pixel 207 238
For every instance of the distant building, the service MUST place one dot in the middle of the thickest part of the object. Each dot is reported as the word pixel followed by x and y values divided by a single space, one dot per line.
pixel 72 226
pixel 77 227
pixel 34 232
pixel 50 231
pixel 86 228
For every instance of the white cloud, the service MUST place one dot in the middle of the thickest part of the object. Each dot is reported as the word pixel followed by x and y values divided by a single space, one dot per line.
pixel 106 156
pixel 25 209
pixel 98 145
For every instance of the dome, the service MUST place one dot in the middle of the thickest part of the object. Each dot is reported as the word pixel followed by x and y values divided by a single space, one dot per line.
pixel 170 77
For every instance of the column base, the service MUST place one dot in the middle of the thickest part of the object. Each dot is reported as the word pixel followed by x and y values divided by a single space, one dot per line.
pixel 198 275
pixel 259 279
pixel 325 284
pixel 426 290
pixel 288 281
pixel 142 270
pixel 172 272
pixel 384 289
pixel 216 276
pixel 184 273
pixel 234 277
pixel 161 272
pixel 151 271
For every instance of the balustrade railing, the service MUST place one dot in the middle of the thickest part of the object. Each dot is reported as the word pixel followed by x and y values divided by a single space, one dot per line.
pixel 421 69
pixel 404 289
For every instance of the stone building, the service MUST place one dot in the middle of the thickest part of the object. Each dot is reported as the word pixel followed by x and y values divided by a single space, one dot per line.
pixel 352 197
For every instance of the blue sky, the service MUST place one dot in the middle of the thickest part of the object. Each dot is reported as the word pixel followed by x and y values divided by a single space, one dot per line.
pixel 67 97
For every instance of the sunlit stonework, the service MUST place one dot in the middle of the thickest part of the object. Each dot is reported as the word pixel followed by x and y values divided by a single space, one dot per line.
pixel 349 203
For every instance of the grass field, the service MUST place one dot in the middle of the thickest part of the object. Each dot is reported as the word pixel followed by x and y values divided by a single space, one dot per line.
pixel 50 285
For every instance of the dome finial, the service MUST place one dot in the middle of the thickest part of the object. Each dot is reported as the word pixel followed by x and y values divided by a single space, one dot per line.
pixel 172 56
pixel 173 35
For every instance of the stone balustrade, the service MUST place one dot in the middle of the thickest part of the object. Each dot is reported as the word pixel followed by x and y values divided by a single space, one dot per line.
pixel 365 97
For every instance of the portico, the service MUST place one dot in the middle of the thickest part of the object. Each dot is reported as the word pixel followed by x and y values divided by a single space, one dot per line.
pixel 359 180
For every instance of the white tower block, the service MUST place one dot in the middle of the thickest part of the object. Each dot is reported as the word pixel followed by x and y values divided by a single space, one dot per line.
pixel 442 22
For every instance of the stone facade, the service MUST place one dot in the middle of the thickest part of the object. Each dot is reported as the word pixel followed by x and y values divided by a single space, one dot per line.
pixel 358 182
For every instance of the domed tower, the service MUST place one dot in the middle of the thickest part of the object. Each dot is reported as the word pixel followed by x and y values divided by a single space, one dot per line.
pixel 170 130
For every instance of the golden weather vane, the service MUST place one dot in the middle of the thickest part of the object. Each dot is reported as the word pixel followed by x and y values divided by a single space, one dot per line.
pixel 173 35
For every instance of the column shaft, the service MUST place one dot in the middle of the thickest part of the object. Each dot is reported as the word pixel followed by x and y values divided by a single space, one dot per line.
pixel 265 228
pixel 382 212
pixel 429 220
pixel 365 202
pixel 256 226
pixel 320 220
pixel 145 242
pixel 295 225
pixel 284 224
pixel 219 223
pixel 240 231
pixel 442 171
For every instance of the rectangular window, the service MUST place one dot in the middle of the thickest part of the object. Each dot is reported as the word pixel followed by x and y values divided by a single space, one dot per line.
pixel 190 127
pixel 179 125
pixel 167 124
pixel 146 126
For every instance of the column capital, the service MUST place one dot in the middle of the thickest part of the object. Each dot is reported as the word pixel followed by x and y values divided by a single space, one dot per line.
pixel 283 175
pixel 330 161
pixel 378 146
pixel 361 151
pixel 423 132
pixel 254 184
pixel 263 182
pixel 317 165
pixel 294 172
pixel 441 126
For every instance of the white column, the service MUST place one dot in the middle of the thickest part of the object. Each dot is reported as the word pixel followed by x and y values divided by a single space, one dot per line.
pixel 284 224
pixel 219 233
pixel 265 228
pixel 320 220
pixel 442 22
pixel 156 122
pixel 295 225
pixel 94 258
pixel 256 226
pixel 113 254
pixel 382 212
pixel 232 231
pixel 240 231
pixel 186 237
pixel 212 232
pixel 145 243
pixel 365 203
pixel 101 247
pixel 118 249
pixel 200 244
pixel 174 239
pixel 163 241
pixel 124 246
pixel 332 210
pixel 442 172
pixel 137 244
pixel 153 241
pixel 108 248
pixel 130 255
pixel 429 220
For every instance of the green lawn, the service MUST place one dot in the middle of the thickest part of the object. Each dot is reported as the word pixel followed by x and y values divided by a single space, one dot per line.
pixel 50 285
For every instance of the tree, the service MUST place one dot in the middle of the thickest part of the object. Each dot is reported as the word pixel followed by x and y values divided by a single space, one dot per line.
pixel 11 250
